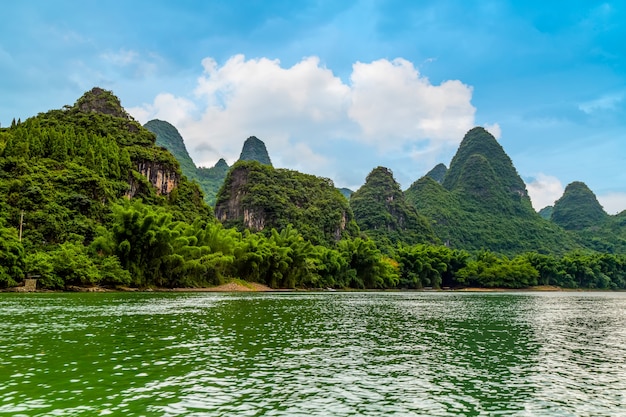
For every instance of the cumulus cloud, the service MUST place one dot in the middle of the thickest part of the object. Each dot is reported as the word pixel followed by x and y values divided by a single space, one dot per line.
pixel 393 104
pixel 613 203
pixel 298 110
pixel 175 110
pixel 544 190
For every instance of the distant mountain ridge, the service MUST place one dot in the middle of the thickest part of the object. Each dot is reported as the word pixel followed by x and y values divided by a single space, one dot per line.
pixel 210 179
pixel 90 197
pixel 479 201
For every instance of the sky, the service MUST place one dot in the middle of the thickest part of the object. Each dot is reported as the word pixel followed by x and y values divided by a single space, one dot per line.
pixel 337 88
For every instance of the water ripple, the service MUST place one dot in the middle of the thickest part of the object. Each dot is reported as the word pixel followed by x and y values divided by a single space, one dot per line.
pixel 331 354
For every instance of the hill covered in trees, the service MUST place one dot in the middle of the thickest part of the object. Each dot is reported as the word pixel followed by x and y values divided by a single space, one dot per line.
pixel 90 197
pixel 259 197
pixel 482 203
pixel 210 179
pixel 383 214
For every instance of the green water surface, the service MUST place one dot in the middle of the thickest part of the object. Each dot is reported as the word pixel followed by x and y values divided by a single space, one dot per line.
pixel 313 354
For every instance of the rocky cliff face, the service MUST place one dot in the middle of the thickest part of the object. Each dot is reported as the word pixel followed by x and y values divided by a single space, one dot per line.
pixel 161 177
pixel 233 207
pixel 259 197
pixel 98 100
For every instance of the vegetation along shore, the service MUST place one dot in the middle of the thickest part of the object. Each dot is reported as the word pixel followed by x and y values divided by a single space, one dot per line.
pixel 90 198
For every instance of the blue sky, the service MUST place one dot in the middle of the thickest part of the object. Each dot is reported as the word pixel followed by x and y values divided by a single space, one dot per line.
pixel 336 88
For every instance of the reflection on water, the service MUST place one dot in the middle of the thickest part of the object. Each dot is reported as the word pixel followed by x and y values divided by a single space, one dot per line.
pixel 340 354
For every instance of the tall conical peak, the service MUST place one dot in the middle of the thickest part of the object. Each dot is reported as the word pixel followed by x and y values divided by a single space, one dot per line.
pixel 98 100
pixel 438 173
pixel 479 141
pixel 382 212
pixel 221 164
pixel 168 137
pixel 254 150
pixel 381 173
pixel 578 208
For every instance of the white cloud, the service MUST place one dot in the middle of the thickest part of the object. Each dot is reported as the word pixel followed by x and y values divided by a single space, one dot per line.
pixel 614 202
pixel 175 110
pixel 544 190
pixel 393 104
pixel 295 110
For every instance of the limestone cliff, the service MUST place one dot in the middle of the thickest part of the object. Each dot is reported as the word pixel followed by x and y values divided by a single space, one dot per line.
pixel 162 177
pixel 258 197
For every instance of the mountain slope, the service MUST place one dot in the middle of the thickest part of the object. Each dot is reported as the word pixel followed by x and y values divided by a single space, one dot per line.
pixel 168 137
pixel 259 197
pixel 382 213
pixel 65 168
pixel 483 203
pixel 578 208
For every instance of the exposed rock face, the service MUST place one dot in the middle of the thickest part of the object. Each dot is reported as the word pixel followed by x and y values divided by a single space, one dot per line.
pixel 102 101
pixel 162 178
pixel 258 197
pixel 253 218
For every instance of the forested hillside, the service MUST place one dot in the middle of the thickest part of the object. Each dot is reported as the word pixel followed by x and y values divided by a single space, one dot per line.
pixel 383 214
pixel 482 203
pixel 259 197
pixel 88 198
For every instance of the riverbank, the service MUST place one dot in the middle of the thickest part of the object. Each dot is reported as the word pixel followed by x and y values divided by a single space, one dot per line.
pixel 238 285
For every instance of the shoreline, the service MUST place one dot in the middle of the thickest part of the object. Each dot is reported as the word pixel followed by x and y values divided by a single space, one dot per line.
pixel 244 286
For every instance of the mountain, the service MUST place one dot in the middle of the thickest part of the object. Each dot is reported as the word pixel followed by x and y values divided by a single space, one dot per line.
pixel 578 208
pixel 438 173
pixel 347 193
pixel 210 179
pixel 80 184
pixel 382 213
pixel 546 212
pixel 482 203
pixel 254 150
pixel 168 137
pixel 259 197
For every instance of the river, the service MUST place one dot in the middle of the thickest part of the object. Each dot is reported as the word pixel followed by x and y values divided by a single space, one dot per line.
pixel 313 354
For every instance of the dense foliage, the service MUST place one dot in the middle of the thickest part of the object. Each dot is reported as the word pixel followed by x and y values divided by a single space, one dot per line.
pixel 79 206
pixel 254 150
pixel 482 203
pixel 259 197
pixel 382 213
pixel 578 208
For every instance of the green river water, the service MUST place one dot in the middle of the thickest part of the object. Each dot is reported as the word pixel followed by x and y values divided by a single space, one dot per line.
pixel 313 354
